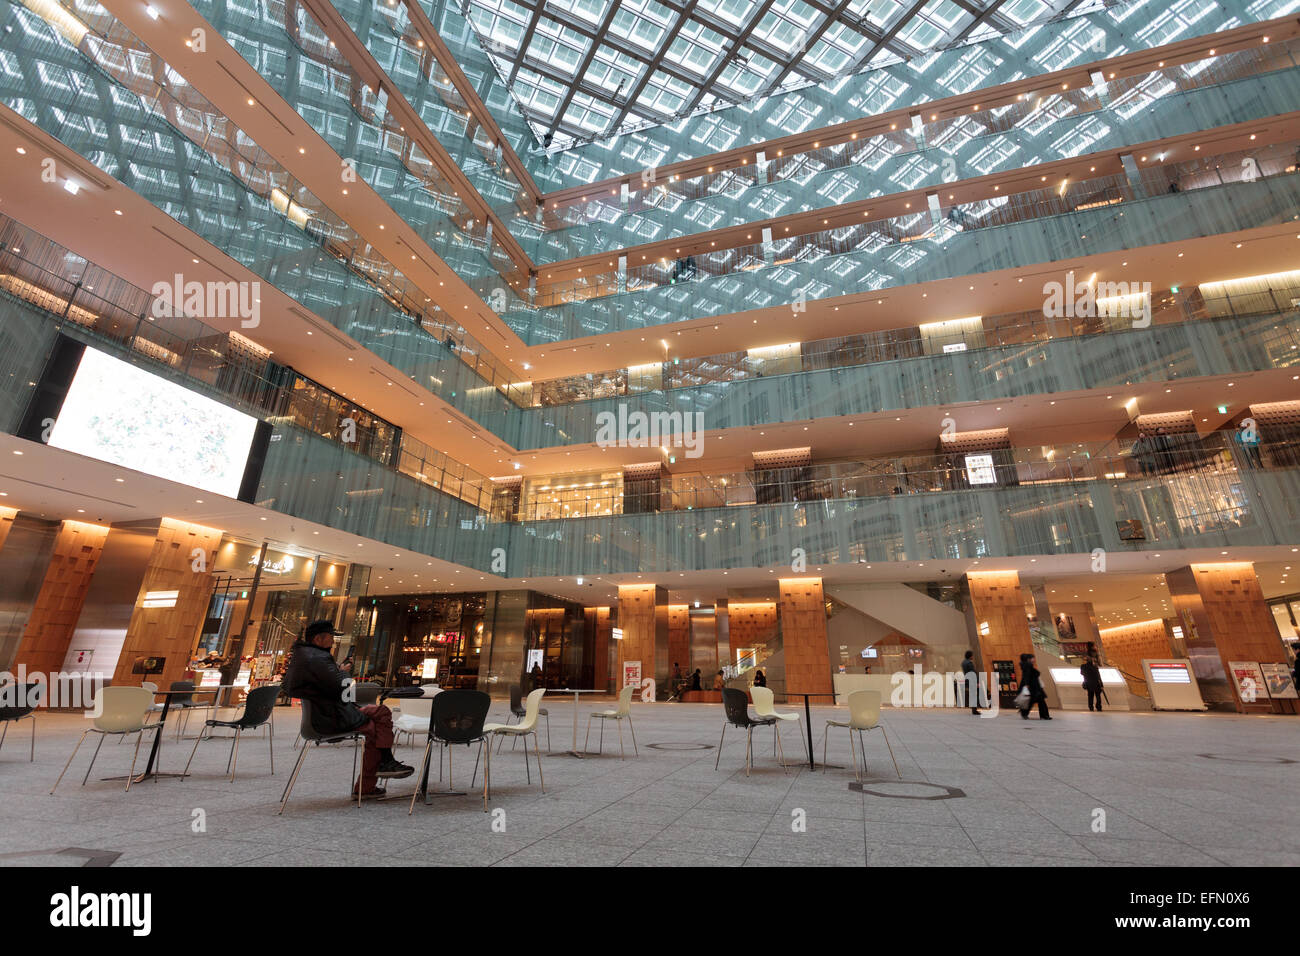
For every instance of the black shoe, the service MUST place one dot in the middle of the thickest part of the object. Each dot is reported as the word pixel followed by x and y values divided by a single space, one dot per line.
pixel 393 769
pixel 1044 718
pixel 974 710
pixel 374 794
pixel 1024 715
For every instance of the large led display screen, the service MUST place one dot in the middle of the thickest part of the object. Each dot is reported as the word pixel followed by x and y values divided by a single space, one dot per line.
pixel 118 413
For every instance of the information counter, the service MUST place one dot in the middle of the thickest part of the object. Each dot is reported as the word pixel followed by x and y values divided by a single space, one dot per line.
pixel 1069 688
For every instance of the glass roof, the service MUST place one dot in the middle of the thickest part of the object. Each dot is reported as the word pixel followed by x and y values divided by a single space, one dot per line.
pixel 584 69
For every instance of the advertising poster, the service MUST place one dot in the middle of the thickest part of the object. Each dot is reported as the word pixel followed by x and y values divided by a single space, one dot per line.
pixel 1249 680
pixel 1278 680
pixel 263 666
pixel 631 673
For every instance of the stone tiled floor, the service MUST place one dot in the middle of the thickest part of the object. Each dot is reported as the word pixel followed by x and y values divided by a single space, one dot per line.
pixel 1031 794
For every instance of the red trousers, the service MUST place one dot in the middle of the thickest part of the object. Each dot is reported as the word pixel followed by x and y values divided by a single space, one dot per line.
pixel 379 736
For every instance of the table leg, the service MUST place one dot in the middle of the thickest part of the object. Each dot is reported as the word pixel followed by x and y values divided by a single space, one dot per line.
pixel 574 752
pixel 157 738
pixel 807 720
pixel 153 751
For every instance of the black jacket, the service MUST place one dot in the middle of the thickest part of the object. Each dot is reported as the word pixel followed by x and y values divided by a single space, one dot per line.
pixel 1091 676
pixel 967 665
pixel 312 675
pixel 1029 678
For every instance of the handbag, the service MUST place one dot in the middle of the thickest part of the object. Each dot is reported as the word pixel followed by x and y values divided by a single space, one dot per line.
pixel 1023 698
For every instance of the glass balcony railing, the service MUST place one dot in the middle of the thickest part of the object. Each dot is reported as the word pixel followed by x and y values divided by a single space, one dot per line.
pixel 1186 492
pixel 1056 125
pixel 1011 330
pixel 1188 456
pixel 1058 509
pixel 155 133
pixel 84 301
pixel 1219 194
pixel 291 50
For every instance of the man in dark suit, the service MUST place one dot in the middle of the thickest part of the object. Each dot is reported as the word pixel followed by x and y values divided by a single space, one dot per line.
pixel 972 686
pixel 313 675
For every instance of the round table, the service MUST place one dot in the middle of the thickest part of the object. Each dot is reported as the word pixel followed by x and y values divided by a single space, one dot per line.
pixel 575 691
pixel 807 720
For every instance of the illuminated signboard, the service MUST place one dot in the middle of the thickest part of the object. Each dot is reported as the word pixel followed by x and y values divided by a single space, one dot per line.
pixel 1167 673
pixel 979 470
pixel 123 415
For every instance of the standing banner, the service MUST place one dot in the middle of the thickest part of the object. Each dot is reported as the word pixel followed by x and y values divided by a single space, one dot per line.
pixel 631 674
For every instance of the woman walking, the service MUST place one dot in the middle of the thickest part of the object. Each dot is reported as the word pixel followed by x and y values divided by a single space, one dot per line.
pixel 1029 680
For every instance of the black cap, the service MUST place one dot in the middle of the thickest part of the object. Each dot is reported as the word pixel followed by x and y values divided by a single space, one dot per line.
pixel 318 627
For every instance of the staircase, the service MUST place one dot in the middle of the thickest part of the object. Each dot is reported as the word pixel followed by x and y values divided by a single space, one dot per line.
pixel 906 610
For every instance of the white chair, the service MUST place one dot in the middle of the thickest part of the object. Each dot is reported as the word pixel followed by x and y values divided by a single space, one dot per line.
pixel 763 700
pixel 155 708
pixel 527 725
pixel 430 690
pixel 124 710
pixel 864 715
pixel 413 717
pixel 621 713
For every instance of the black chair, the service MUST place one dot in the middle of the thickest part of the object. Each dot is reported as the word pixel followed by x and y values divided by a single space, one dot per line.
pixel 259 709
pixel 19 702
pixel 736 704
pixel 310 735
pixel 517 711
pixel 186 703
pixel 458 718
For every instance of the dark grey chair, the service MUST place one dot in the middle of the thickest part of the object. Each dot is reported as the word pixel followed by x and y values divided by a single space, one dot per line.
pixel 736 704
pixel 259 709
pixel 310 735
pixel 184 703
pixel 458 718
pixel 19 702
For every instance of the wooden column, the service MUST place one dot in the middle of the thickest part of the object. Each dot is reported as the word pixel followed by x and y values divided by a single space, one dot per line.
pixel 679 637
pixel 1001 624
pixel 600 623
pixel 639 618
pixel 1128 645
pixel 7 516
pixel 54 615
pixel 803 635
pixel 751 624
pixel 171 631
pixel 1224 618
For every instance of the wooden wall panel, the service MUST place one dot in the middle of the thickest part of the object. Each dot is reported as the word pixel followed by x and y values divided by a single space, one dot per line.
pixel 598 624
pixel 679 637
pixel 637 617
pixel 749 625
pixel 998 602
pixel 1242 625
pixel 170 631
pixel 1128 645
pixel 58 604
pixel 1233 609
pixel 803 633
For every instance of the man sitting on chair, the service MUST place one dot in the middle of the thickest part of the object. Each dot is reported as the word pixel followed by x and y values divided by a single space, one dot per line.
pixel 313 675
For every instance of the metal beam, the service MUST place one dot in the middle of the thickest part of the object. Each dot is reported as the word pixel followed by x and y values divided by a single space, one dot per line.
pixel 840 7
pixel 741 39
pixel 683 15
